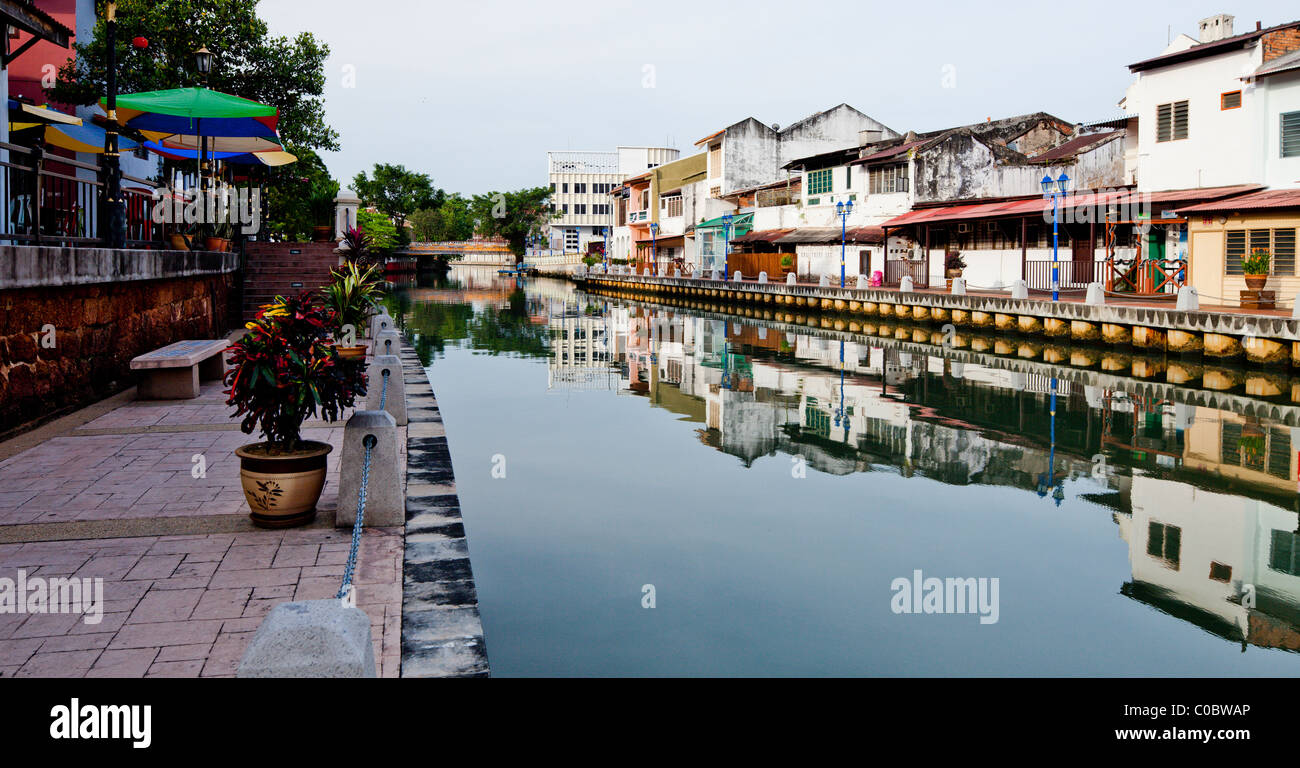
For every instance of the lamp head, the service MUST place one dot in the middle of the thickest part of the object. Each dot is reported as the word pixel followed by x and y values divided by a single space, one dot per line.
pixel 203 60
pixel 1047 185
pixel 1062 182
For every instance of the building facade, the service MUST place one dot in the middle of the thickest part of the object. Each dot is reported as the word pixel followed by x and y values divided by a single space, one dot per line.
pixel 581 184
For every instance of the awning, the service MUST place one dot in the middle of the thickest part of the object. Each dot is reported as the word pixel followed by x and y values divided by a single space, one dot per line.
pixel 23 116
pixel 1265 200
pixel 83 138
pixel 740 225
pixel 763 236
pixel 675 241
pixel 811 235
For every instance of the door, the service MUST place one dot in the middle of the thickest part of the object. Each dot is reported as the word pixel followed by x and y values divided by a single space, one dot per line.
pixel 1081 254
pixel 864 263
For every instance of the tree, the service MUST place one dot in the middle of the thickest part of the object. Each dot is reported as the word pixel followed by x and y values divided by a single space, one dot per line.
pixel 383 235
pixel 288 74
pixel 453 220
pixel 518 217
pixel 289 192
pixel 397 192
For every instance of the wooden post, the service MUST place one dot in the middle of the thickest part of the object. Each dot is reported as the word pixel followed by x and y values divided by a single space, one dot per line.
pixel 1024 247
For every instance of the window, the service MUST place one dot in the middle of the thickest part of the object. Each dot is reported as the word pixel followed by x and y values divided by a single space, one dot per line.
pixel 1280 243
pixel 1171 121
pixel 819 181
pixel 580 189
pixel 848 177
pixel 1230 100
pixel 715 161
pixel 1220 572
pixel 1290 134
pixel 671 206
pixel 888 179
pixel 1165 542
pixel 1282 555
pixel 552 187
pixel 564 188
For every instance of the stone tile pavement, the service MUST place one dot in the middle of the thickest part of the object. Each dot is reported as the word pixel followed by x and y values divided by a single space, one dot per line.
pixel 116 493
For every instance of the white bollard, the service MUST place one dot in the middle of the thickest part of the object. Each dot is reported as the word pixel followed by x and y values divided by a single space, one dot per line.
pixel 395 399
pixel 677 272
pixel 1020 290
pixel 645 272
pixel 1190 301
pixel 381 322
pixel 823 282
pixel 386 343
pixel 1096 295
pixel 738 276
pixel 715 275
pixel 1295 308
pixel 762 278
pixel 905 284
pixel 859 281
pixel 385 505
pixel 695 274
pixel 959 286
pixel 789 279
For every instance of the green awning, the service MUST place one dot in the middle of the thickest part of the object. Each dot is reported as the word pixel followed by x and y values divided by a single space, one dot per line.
pixel 740 225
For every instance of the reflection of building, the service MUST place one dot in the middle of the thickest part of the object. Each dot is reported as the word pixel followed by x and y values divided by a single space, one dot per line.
pixel 580 354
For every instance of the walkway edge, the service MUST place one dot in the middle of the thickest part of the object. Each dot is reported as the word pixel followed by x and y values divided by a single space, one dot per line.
pixel 442 633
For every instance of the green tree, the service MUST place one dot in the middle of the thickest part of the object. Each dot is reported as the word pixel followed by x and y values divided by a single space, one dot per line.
pixel 397 192
pixel 383 235
pixel 247 61
pixel 518 217
pixel 453 220
pixel 289 191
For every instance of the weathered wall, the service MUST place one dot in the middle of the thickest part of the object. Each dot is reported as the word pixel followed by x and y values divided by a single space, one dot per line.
pixel 98 325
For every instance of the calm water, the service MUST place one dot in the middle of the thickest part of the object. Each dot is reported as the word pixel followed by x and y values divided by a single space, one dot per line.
pixel 772 496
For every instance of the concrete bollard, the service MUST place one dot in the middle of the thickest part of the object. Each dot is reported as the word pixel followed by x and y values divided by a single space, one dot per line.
pixel 738 276
pixel 695 274
pixel 762 278
pixel 385 505
pixel 311 638
pixel 1189 300
pixel 1096 295
pixel 677 272
pixel 386 343
pixel 959 286
pixel 789 279
pixel 905 284
pixel 958 370
pixel 823 282
pixel 395 402
pixel 859 281
pixel 1295 308
pixel 381 322
pixel 1020 290
pixel 645 272
pixel 715 275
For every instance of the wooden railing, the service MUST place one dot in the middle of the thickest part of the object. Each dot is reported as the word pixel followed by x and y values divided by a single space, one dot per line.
pixel 919 271
pixel 1145 277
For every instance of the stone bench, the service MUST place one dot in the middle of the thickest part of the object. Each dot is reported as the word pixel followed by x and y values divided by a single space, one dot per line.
pixel 174 372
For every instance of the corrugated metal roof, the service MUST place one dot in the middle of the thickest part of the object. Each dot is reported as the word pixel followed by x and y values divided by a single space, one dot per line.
pixel 1074 146
pixel 763 236
pixel 886 154
pixel 809 235
pixel 1283 63
pixel 1270 198
pixel 1207 49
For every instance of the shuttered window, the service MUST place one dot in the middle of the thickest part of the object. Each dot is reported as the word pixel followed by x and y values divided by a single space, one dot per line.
pixel 1235 251
pixel 1291 134
pixel 1284 252
pixel 1171 121
pixel 1230 100
pixel 819 182
pixel 1280 243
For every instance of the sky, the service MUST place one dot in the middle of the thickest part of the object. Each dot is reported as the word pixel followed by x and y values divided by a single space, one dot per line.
pixel 475 93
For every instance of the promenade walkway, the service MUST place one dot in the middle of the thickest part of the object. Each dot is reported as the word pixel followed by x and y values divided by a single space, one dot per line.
pixel 115 492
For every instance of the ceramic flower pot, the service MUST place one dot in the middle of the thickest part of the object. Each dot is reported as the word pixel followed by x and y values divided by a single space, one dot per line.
pixel 282 487
pixel 1256 282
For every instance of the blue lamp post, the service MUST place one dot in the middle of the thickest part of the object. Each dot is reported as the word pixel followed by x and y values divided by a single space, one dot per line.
pixel 726 252
pixel 843 211
pixel 604 233
pixel 1061 184
pixel 654 247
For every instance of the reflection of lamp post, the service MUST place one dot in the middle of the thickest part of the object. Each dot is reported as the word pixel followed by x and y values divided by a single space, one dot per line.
pixel 1058 490
pixel 1055 195
pixel 839 412
pixel 726 245
pixel 654 247
pixel 843 211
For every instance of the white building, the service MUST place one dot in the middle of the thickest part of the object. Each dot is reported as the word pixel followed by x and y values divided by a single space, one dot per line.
pixel 1220 110
pixel 580 183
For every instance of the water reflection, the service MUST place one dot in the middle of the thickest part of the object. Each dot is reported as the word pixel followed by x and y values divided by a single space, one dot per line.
pixel 1205 499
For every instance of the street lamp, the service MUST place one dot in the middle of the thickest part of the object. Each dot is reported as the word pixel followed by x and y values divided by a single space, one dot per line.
pixel 114 208
pixel 203 63
pixel 1061 184
pixel 726 249
pixel 604 233
pixel 843 211
pixel 654 247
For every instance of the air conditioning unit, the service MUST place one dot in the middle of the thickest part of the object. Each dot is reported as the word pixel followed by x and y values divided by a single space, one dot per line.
pixel 963 228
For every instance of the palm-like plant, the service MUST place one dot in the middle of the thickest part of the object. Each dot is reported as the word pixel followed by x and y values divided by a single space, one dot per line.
pixel 352 295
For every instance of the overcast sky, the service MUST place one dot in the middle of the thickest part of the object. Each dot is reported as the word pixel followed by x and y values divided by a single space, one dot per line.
pixel 475 93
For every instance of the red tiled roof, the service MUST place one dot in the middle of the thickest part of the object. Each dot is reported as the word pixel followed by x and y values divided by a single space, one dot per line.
pixel 1207 49
pixel 1266 199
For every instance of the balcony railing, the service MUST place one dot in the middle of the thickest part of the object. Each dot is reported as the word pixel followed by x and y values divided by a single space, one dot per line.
pixel 919 271
pixel 59 205
pixel 1073 275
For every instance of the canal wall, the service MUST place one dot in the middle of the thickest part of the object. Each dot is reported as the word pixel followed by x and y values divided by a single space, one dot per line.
pixel 442 633
pixel 1264 393
pixel 71 320
pixel 1256 339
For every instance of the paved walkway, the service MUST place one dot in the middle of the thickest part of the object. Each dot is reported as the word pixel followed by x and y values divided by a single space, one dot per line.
pixel 115 492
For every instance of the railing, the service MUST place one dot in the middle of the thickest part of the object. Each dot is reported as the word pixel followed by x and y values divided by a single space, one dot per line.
pixel 641 215
pixel 59 205
pixel 1145 277
pixel 1072 275
pixel 919 271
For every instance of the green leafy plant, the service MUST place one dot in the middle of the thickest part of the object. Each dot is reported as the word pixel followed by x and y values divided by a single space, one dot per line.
pixel 285 370
pixel 356 244
pixel 953 260
pixel 321 204
pixel 352 295
pixel 787 260
pixel 1256 263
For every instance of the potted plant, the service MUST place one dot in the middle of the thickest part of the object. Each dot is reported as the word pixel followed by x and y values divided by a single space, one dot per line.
pixel 285 370
pixel 321 204
pixel 219 240
pixel 787 263
pixel 953 264
pixel 351 298
pixel 182 239
pixel 1255 268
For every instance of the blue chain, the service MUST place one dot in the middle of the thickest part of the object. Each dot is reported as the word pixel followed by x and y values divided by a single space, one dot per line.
pixel 361 516
pixel 383 395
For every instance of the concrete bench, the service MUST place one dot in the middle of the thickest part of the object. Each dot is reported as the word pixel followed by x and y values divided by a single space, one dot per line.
pixel 174 372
